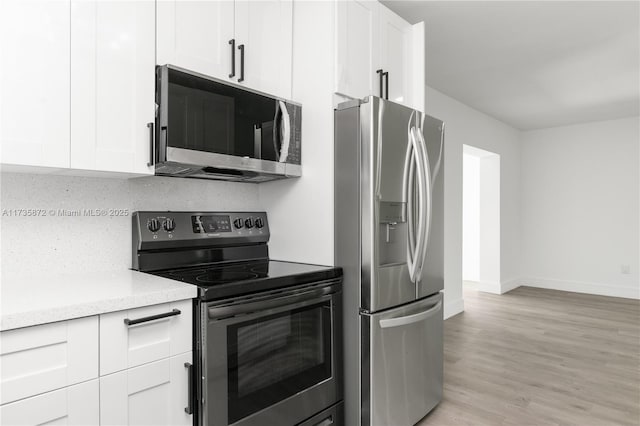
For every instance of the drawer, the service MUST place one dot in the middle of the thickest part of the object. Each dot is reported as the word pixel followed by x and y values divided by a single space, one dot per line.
pixel 73 406
pixel 125 345
pixel 157 393
pixel 38 359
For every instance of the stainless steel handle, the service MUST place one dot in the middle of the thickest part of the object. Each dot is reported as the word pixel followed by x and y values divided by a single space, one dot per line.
pixel 130 322
pixel 408 196
pixel 232 42
pixel 410 319
pixel 217 312
pixel 241 49
pixel 285 134
pixel 326 422
pixel 152 145
pixel 189 408
pixel 422 145
pixel 386 89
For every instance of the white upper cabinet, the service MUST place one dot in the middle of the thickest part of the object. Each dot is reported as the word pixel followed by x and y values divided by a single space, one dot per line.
pixel 357 52
pixel 195 35
pixel 395 39
pixel 245 42
pixel 112 85
pixel 265 28
pixel 34 82
pixel 376 53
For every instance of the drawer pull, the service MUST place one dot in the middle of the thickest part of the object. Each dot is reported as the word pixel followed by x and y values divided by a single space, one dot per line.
pixel 189 408
pixel 174 312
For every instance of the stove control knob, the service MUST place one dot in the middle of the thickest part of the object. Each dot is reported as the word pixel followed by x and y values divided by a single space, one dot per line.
pixel 248 223
pixel 153 224
pixel 169 224
pixel 259 223
pixel 238 223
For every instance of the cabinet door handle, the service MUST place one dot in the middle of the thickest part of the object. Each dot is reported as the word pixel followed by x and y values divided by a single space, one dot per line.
pixel 232 42
pixel 386 87
pixel 380 79
pixel 241 48
pixel 174 312
pixel 189 408
pixel 152 145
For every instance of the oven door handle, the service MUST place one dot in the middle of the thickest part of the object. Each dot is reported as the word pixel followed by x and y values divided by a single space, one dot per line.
pixel 219 312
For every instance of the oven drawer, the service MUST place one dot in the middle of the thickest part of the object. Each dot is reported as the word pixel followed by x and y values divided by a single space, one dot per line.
pixel 139 336
pixel 332 416
pixel 46 357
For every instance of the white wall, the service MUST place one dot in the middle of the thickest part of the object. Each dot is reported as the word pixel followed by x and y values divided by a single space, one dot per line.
pixel 580 217
pixel 301 210
pixel 464 125
pixel 481 219
pixel 82 244
pixel 470 217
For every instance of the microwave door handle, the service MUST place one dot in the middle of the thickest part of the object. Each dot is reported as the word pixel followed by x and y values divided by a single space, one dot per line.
pixel 276 132
pixel 285 132
pixel 152 145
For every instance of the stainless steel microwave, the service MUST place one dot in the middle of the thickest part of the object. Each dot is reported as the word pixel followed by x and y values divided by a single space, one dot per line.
pixel 212 129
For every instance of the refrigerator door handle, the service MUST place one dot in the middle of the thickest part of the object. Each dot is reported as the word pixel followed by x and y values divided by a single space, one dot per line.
pixel 424 203
pixel 410 319
pixel 414 240
pixel 422 145
pixel 407 193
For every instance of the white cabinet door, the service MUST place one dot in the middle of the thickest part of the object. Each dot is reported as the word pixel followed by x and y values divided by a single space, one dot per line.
pixel 265 28
pixel 73 406
pixel 357 48
pixel 42 358
pixel 123 346
pixel 195 35
pixel 153 394
pixel 112 85
pixel 34 82
pixel 395 38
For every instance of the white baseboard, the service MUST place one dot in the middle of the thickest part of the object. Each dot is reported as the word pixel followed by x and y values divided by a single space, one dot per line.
pixel 508 285
pixel 583 287
pixel 453 308
pixel 495 287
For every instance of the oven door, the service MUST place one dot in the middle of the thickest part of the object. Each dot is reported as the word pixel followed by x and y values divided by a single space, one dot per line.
pixel 272 359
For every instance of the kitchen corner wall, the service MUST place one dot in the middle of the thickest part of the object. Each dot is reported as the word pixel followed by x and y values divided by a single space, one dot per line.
pixel 301 210
pixel 61 244
pixel 580 207
pixel 464 125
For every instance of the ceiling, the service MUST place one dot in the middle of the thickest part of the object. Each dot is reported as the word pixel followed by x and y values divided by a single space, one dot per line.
pixel 533 64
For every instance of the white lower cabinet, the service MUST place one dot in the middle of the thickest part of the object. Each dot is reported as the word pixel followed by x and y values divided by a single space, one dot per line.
pixel 38 359
pixel 76 405
pixel 152 394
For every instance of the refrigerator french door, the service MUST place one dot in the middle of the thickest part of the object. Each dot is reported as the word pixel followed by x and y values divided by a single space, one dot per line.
pixel 389 240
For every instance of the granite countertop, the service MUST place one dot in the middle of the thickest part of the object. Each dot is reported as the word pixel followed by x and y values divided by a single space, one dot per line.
pixel 33 300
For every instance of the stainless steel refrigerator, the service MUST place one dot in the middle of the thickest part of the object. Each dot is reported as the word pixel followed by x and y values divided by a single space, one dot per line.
pixel 389 240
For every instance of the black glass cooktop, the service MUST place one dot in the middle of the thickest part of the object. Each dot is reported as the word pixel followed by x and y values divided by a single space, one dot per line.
pixel 220 281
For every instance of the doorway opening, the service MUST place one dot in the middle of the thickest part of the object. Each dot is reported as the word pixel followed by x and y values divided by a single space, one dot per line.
pixel 481 219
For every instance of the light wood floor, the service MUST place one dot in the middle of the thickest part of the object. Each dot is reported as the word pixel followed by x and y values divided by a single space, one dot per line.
pixel 541 357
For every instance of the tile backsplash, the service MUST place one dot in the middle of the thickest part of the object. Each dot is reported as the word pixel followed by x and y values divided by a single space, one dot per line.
pixel 68 239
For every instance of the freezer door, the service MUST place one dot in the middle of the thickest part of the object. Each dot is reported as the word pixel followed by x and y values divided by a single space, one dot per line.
pixel 402 363
pixel 432 269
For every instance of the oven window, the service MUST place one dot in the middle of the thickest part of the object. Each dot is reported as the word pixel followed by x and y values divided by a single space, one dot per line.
pixel 274 357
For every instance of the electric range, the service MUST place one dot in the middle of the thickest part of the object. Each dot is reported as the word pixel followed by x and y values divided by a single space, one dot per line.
pixel 267 333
